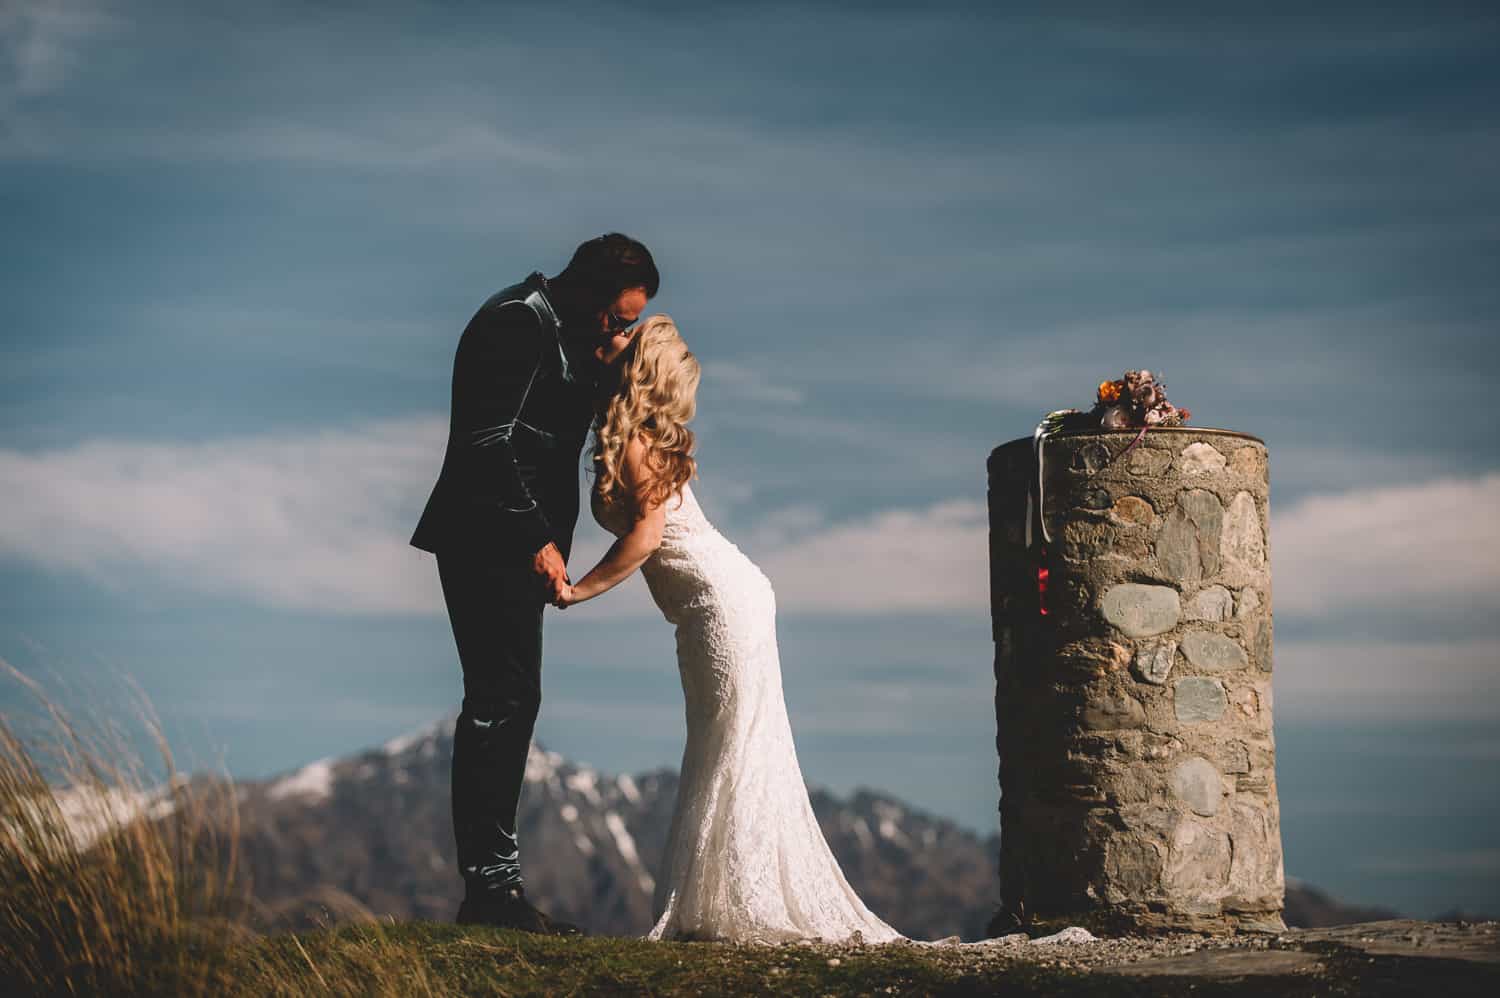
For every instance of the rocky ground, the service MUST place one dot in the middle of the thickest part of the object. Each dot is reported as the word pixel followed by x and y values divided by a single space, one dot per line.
pixel 1405 948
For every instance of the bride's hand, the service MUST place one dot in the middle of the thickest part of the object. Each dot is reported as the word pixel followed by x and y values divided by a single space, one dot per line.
pixel 565 597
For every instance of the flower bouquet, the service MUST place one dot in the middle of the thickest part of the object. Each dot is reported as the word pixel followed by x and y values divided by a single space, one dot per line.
pixel 1135 401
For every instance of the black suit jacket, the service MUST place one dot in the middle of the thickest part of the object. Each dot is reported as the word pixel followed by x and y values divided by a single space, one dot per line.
pixel 522 408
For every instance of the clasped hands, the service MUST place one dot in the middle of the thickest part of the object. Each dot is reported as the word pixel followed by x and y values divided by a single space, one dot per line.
pixel 548 563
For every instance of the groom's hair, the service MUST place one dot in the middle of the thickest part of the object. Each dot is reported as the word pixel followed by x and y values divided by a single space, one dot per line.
pixel 601 268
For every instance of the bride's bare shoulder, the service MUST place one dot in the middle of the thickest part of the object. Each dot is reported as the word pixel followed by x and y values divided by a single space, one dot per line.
pixel 635 465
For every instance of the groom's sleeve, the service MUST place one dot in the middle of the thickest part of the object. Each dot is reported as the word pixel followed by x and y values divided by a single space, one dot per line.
pixel 498 357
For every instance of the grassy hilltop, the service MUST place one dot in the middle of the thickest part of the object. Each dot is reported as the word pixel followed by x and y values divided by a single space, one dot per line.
pixel 110 888
pixel 423 958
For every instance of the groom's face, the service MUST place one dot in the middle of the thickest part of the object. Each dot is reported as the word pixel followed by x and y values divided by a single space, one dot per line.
pixel 617 324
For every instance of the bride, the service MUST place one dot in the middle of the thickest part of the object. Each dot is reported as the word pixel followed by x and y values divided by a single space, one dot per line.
pixel 745 860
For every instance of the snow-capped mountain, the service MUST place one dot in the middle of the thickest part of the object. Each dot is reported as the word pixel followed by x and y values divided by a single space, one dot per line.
pixel 372 834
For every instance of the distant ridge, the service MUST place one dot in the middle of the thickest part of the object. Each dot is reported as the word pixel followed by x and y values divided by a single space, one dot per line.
pixel 371 835
pixel 1308 907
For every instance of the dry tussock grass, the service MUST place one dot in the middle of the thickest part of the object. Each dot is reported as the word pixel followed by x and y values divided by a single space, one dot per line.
pixel 110 883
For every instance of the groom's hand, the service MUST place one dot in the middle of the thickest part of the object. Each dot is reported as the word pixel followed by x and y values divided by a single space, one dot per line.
pixel 549 564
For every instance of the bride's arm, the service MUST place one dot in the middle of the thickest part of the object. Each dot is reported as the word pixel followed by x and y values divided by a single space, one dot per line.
pixel 629 552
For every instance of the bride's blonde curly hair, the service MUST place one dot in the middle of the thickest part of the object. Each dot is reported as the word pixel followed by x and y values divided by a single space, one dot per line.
pixel 656 399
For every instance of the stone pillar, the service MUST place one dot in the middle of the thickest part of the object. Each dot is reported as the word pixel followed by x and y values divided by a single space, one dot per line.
pixel 1137 765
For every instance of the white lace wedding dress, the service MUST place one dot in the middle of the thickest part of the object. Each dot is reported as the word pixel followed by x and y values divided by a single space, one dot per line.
pixel 745 860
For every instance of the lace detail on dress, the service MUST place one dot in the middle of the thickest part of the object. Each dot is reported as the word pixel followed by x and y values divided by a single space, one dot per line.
pixel 745 858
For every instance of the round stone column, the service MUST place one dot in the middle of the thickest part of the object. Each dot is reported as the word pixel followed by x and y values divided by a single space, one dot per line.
pixel 1133 684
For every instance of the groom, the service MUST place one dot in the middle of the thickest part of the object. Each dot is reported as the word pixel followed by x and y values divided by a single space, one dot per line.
pixel 500 520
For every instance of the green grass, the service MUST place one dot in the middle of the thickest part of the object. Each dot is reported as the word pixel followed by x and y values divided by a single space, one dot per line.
pixel 424 958
pixel 417 958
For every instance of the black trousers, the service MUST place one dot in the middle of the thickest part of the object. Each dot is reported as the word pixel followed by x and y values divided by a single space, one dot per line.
pixel 496 613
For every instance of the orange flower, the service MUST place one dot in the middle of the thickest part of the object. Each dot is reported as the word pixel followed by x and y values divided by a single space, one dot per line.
pixel 1109 391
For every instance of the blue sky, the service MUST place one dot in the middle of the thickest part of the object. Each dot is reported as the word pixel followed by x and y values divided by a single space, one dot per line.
pixel 240 242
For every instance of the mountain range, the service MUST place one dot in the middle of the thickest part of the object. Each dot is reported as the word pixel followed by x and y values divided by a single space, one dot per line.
pixel 370 835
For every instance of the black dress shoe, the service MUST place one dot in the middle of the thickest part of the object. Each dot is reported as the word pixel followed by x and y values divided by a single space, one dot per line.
pixel 509 909
pixel 560 928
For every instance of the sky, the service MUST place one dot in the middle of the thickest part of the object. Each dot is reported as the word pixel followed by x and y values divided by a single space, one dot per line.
pixel 240 241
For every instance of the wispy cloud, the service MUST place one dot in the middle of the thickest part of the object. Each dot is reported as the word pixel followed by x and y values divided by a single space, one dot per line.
pixel 1358 679
pixel 39 40
pixel 749 383
pixel 39 49
pixel 319 521
pixel 930 561
pixel 390 141
pixel 311 522
pixel 1299 354
pixel 1430 546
